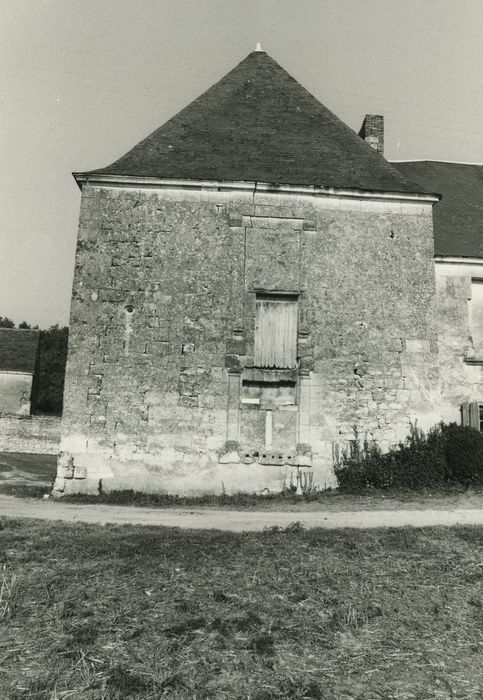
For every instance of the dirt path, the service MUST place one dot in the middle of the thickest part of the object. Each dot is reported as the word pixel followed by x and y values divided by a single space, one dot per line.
pixel 234 520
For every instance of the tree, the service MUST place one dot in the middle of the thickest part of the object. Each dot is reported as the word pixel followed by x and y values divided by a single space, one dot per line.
pixel 48 383
pixel 6 322
pixel 24 325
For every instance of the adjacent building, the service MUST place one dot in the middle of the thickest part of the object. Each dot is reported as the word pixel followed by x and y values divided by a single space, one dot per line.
pixel 458 262
pixel 18 354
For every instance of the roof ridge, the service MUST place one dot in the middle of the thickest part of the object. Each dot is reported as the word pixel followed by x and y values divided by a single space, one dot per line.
pixel 434 160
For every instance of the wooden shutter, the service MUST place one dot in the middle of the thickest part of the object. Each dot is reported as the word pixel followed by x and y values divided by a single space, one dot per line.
pixel 470 414
pixel 475 415
pixel 276 332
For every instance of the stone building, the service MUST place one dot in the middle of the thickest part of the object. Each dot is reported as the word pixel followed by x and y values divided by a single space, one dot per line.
pixel 254 287
pixel 18 354
pixel 458 262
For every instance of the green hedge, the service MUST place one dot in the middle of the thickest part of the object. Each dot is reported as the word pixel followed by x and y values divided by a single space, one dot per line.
pixel 464 454
pixel 446 454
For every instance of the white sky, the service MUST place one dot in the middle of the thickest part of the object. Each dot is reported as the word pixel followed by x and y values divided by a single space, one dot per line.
pixel 82 81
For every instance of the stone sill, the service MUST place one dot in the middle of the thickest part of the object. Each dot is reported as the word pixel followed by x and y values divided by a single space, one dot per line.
pixel 245 405
pixel 474 362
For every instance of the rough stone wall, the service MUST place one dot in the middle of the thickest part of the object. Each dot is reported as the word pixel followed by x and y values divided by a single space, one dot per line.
pixel 378 362
pixel 460 366
pixel 162 331
pixel 30 434
pixel 15 390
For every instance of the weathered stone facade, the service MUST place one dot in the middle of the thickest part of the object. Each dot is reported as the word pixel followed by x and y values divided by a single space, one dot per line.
pixel 161 347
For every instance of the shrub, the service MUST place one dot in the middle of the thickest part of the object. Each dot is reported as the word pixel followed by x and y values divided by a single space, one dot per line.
pixel 417 463
pixel 463 448
pixel 447 453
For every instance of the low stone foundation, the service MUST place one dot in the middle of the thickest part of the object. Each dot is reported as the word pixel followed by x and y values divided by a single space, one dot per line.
pixel 229 471
pixel 30 434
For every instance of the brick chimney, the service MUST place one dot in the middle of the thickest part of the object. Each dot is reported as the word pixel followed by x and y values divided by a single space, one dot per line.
pixel 372 131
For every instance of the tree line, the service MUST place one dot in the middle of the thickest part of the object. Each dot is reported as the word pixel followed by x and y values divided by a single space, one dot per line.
pixel 6 322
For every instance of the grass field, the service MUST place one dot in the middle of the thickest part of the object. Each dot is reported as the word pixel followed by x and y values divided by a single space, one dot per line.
pixel 130 612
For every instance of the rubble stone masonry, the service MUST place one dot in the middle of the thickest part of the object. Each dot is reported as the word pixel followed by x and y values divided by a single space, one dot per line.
pixel 30 434
pixel 162 335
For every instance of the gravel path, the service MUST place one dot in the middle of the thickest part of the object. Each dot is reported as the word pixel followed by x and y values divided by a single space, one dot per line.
pixel 234 520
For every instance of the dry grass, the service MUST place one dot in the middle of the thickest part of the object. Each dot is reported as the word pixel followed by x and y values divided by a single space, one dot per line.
pixel 7 592
pixel 147 613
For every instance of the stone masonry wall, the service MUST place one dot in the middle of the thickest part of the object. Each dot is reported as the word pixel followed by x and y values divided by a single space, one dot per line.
pixel 30 434
pixel 162 326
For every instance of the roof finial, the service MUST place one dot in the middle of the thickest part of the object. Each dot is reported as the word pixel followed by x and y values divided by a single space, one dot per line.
pixel 259 46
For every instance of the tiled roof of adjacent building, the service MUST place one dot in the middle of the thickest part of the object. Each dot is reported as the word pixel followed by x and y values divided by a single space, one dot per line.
pixel 259 124
pixel 18 350
pixel 458 217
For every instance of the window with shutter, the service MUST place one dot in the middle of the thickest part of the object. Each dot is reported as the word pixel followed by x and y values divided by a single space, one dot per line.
pixel 472 415
pixel 475 415
pixel 276 331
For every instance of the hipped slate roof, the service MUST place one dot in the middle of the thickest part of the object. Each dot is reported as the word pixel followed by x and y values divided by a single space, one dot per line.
pixel 458 217
pixel 18 350
pixel 259 124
